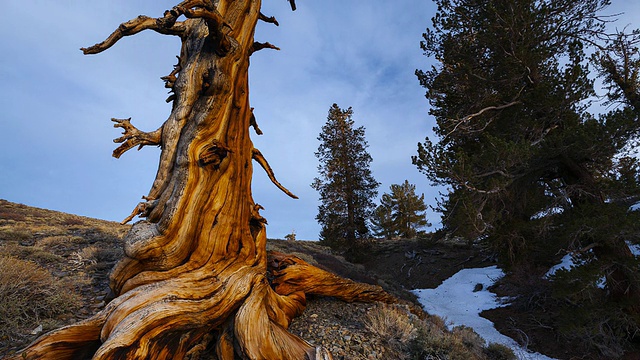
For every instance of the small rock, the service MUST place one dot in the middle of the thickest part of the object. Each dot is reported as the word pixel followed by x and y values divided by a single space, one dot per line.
pixel 37 330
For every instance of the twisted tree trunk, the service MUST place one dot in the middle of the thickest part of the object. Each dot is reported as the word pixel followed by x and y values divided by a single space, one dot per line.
pixel 196 276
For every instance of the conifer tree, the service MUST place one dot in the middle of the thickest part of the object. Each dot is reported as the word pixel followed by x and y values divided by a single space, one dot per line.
pixel 401 214
pixel 382 219
pixel 528 166
pixel 346 186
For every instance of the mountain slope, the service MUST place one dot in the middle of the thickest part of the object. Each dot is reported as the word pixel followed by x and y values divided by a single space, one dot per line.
pixel 54 271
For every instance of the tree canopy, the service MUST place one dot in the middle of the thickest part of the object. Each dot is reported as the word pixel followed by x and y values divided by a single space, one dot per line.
pixel 511 97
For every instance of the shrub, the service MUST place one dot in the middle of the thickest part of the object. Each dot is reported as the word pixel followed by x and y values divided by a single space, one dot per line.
pixel 394 326
pixel 72 221
pixel 14 234
pixel 29 295
pixel 31 253
pixel 435 342
pixel 408 337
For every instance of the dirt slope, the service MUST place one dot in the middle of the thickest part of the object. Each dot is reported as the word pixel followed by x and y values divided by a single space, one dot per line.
pixel 65 261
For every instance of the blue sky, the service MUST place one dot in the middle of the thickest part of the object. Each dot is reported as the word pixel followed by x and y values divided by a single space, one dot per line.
pixel 55 129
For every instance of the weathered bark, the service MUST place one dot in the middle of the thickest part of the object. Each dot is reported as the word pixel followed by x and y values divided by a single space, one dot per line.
pixel 195 273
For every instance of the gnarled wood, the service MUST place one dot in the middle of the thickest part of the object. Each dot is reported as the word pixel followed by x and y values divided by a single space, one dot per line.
pixel 196 276
pixel 294 275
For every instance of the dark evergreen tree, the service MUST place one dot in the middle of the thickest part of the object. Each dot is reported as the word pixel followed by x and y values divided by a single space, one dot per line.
pixel 382 219
pixel 346 186
pixel 530 170
pixel 401 214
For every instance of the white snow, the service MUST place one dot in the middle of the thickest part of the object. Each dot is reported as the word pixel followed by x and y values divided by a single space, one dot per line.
pixel 635 248
pixel 566 263
pixel 456 301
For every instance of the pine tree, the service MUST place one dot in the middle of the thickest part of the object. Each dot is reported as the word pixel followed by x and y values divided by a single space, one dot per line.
pixel 346 186
pixel 528 166
pixel 401 214
pixel 382 219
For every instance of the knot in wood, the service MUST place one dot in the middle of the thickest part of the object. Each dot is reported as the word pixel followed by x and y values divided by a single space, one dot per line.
pixel 213 155
pixel 278 261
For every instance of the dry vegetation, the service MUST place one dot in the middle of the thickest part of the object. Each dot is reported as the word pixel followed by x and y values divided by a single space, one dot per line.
pixel 54 269
pixel 407 336
pixel 31 297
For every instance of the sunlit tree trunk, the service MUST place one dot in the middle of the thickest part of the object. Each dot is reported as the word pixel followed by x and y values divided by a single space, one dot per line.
pixel 196 276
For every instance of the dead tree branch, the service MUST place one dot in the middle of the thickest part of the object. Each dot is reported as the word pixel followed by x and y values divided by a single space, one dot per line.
pixel 257 156
pixel 132 137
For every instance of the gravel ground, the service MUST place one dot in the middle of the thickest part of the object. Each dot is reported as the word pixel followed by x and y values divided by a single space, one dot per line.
pixel 340 328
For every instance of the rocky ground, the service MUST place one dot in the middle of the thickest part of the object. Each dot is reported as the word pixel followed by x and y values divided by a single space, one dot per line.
pixel 78 253
pixel 71 256
pixel 344 333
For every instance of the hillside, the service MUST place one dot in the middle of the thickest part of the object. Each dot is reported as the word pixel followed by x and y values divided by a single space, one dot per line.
pixel 54 271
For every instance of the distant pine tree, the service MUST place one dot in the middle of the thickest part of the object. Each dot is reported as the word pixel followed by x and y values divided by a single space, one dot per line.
pixel 401 214
pixel 345 183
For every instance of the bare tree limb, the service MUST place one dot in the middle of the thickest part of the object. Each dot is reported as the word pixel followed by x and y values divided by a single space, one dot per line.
pixel 257 46
pixel 270 19
pixel 212 16
pixel 257 156
pixel 166 25
pixel 132 137
pixel 170 79
pixel 254 124
pixel 488 108
pixel 141 209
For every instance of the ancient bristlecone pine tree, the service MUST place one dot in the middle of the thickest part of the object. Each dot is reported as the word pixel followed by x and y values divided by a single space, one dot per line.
pixel 196 277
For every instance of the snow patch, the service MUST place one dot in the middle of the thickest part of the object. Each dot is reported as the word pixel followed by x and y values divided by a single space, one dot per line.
pixel 566 263
pixel 635 248
pixel 457 302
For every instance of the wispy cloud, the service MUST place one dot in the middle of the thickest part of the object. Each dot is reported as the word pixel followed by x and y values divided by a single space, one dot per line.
pixel 55 138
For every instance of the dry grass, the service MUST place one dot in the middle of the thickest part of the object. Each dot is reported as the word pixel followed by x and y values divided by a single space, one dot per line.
pixel 53 269
pixel 30 296
pixel 54 241
pixel 14 234
pixel 408 337
pixel 31 253
pixel 395 326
